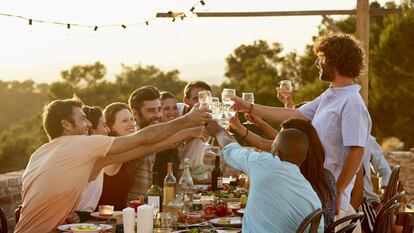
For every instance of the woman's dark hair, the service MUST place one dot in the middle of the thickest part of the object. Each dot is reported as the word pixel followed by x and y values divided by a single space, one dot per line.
pixel 312 167
pixel 110 114
pixel 166 95
pixel 93 114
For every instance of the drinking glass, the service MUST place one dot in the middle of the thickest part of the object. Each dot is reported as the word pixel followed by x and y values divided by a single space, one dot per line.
pixel 285 86
pixel 227 101
pixel 249 97
pixel 204 98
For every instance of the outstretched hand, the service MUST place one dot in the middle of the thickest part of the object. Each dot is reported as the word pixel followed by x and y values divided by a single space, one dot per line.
pixel 240 105
pixel 285 96
pixel 213 128
pixel 198 117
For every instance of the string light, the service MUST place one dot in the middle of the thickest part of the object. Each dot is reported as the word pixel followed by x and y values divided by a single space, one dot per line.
pixel 95 27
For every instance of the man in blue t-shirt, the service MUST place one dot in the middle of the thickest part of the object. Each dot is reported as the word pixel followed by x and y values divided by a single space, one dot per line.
pixel 280 198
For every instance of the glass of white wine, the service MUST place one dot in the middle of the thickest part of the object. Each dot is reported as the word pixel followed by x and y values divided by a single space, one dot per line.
pixel 285 87
pixel 204 98
pixel 249 97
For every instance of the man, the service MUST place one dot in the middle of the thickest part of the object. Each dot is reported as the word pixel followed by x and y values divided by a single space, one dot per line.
pixel 280 198
pixel 194 149
pixel 145 105
pixel 373 158
pixel 59 170
pixel 339 114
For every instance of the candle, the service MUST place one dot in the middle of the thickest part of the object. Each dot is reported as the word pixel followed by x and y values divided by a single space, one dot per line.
pixel 145 218
pixel 128 216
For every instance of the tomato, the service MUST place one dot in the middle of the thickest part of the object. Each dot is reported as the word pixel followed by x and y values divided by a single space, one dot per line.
pixel 221 210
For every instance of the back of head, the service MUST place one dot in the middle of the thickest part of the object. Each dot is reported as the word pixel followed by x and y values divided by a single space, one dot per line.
pixel 291 145
pixel 55 112
pixel 341 52
pixel 93 114
pixel 194 84
pixel 142 94
pixel 110 112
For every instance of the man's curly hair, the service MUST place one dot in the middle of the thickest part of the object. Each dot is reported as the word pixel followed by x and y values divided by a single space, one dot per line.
pixel 341 52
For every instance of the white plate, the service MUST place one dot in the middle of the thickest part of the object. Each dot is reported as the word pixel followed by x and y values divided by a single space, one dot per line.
pixel 186 231
pixel 240 211
pixel 67 227
pixel 96 215
pixel 234 222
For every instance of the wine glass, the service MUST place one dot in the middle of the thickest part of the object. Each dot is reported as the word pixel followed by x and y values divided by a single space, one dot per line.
pixel 227 101
pixel 286 88
pixel 249 97
pixel 204 98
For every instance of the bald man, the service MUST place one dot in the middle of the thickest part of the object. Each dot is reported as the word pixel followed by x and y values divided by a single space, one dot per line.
pixel 280 197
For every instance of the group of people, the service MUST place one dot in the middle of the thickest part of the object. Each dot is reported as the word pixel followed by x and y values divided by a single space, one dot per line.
pixel 107 157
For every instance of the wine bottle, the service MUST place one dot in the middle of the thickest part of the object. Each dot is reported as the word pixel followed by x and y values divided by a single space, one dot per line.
pixel 169 184
pixel 185 187
pixel 216 176
pixel 155 194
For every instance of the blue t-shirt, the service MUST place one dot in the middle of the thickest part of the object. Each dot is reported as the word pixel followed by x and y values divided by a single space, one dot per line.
pixel 280 198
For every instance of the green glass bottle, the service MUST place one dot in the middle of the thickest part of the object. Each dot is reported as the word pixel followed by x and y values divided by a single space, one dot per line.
pixel 155 194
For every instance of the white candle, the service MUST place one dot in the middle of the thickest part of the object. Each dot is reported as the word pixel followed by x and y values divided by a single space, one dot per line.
pixel 128 215
pixel 145 215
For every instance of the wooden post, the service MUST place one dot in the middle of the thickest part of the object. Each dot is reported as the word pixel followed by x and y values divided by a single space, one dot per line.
pixel 362 29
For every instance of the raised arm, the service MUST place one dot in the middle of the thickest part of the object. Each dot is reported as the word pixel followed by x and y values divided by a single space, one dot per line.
pixel 264 126
pixel 249 136
pixel 268 113
pixel 158 132
pixel 146 149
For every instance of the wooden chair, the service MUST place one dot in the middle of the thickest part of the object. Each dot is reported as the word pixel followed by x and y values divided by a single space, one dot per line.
pixel 17 213
pixel 312 221
pixel 348 229
pixel 3 221
pixel 353 218
pixel 384 218
pixel 406 220
pixel 392 187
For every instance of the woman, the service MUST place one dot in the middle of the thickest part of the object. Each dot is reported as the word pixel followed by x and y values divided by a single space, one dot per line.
pixel 116 188
pixel 92 193
pixel 169 112
pixel 312 168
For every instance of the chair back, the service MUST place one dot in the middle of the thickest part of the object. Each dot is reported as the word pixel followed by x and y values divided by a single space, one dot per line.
pixel 353 218
pixel 17 213
pixel 348 229
pixel 312 221
pixel 384 217
pixel 392 186
pixel 3 221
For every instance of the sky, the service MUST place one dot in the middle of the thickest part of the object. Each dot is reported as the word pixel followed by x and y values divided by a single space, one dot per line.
pixel 197 47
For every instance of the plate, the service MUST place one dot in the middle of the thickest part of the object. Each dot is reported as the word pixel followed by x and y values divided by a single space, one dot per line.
pixel 240 212
pixel 67 227
pixel 188 231
pixel 96 215
pixel 227 221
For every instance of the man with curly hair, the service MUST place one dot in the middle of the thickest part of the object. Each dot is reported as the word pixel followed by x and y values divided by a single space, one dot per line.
pixel 338 114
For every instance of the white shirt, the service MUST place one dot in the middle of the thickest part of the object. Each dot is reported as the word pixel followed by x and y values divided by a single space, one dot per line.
pixel 374 158
pixel 341 119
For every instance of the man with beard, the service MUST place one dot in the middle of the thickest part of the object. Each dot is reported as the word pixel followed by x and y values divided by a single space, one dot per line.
pixel 145 104
pixel 339 114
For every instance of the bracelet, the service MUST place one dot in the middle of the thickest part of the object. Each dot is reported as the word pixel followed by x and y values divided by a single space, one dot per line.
pixel 247 133
pixel 250 108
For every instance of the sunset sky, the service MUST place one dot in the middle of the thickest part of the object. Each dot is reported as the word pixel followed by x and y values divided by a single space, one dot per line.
pixel 196 46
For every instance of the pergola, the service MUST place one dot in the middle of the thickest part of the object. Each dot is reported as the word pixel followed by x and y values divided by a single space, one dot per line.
pixel 362 13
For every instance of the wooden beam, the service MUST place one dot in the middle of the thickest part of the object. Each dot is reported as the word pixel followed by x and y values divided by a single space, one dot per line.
pixel 331 24
pixel 286 13
pixel 362 31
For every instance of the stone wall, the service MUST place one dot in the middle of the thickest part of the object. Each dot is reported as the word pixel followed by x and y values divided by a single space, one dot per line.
pixel 10 195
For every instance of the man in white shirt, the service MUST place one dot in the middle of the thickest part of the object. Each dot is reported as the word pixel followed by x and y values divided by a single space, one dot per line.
pixel 194 149
pixel 339 115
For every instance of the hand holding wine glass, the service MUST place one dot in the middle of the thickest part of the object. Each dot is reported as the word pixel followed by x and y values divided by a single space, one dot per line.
pixel 284 91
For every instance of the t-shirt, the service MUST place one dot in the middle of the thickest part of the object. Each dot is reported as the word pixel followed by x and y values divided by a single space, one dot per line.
pixel 341 119
pixel 55 179
pixel 280 197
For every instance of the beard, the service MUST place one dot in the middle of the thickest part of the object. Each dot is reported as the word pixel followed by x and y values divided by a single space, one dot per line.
pixel 142 123
pixel 327 74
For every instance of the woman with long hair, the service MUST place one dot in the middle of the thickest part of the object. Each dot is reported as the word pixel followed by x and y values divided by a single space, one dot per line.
pixel 312 168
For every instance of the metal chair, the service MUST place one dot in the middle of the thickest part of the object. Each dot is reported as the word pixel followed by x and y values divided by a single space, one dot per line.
pixel 17 213
pixel 312 221
pixel 3 221
pixel 353 218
